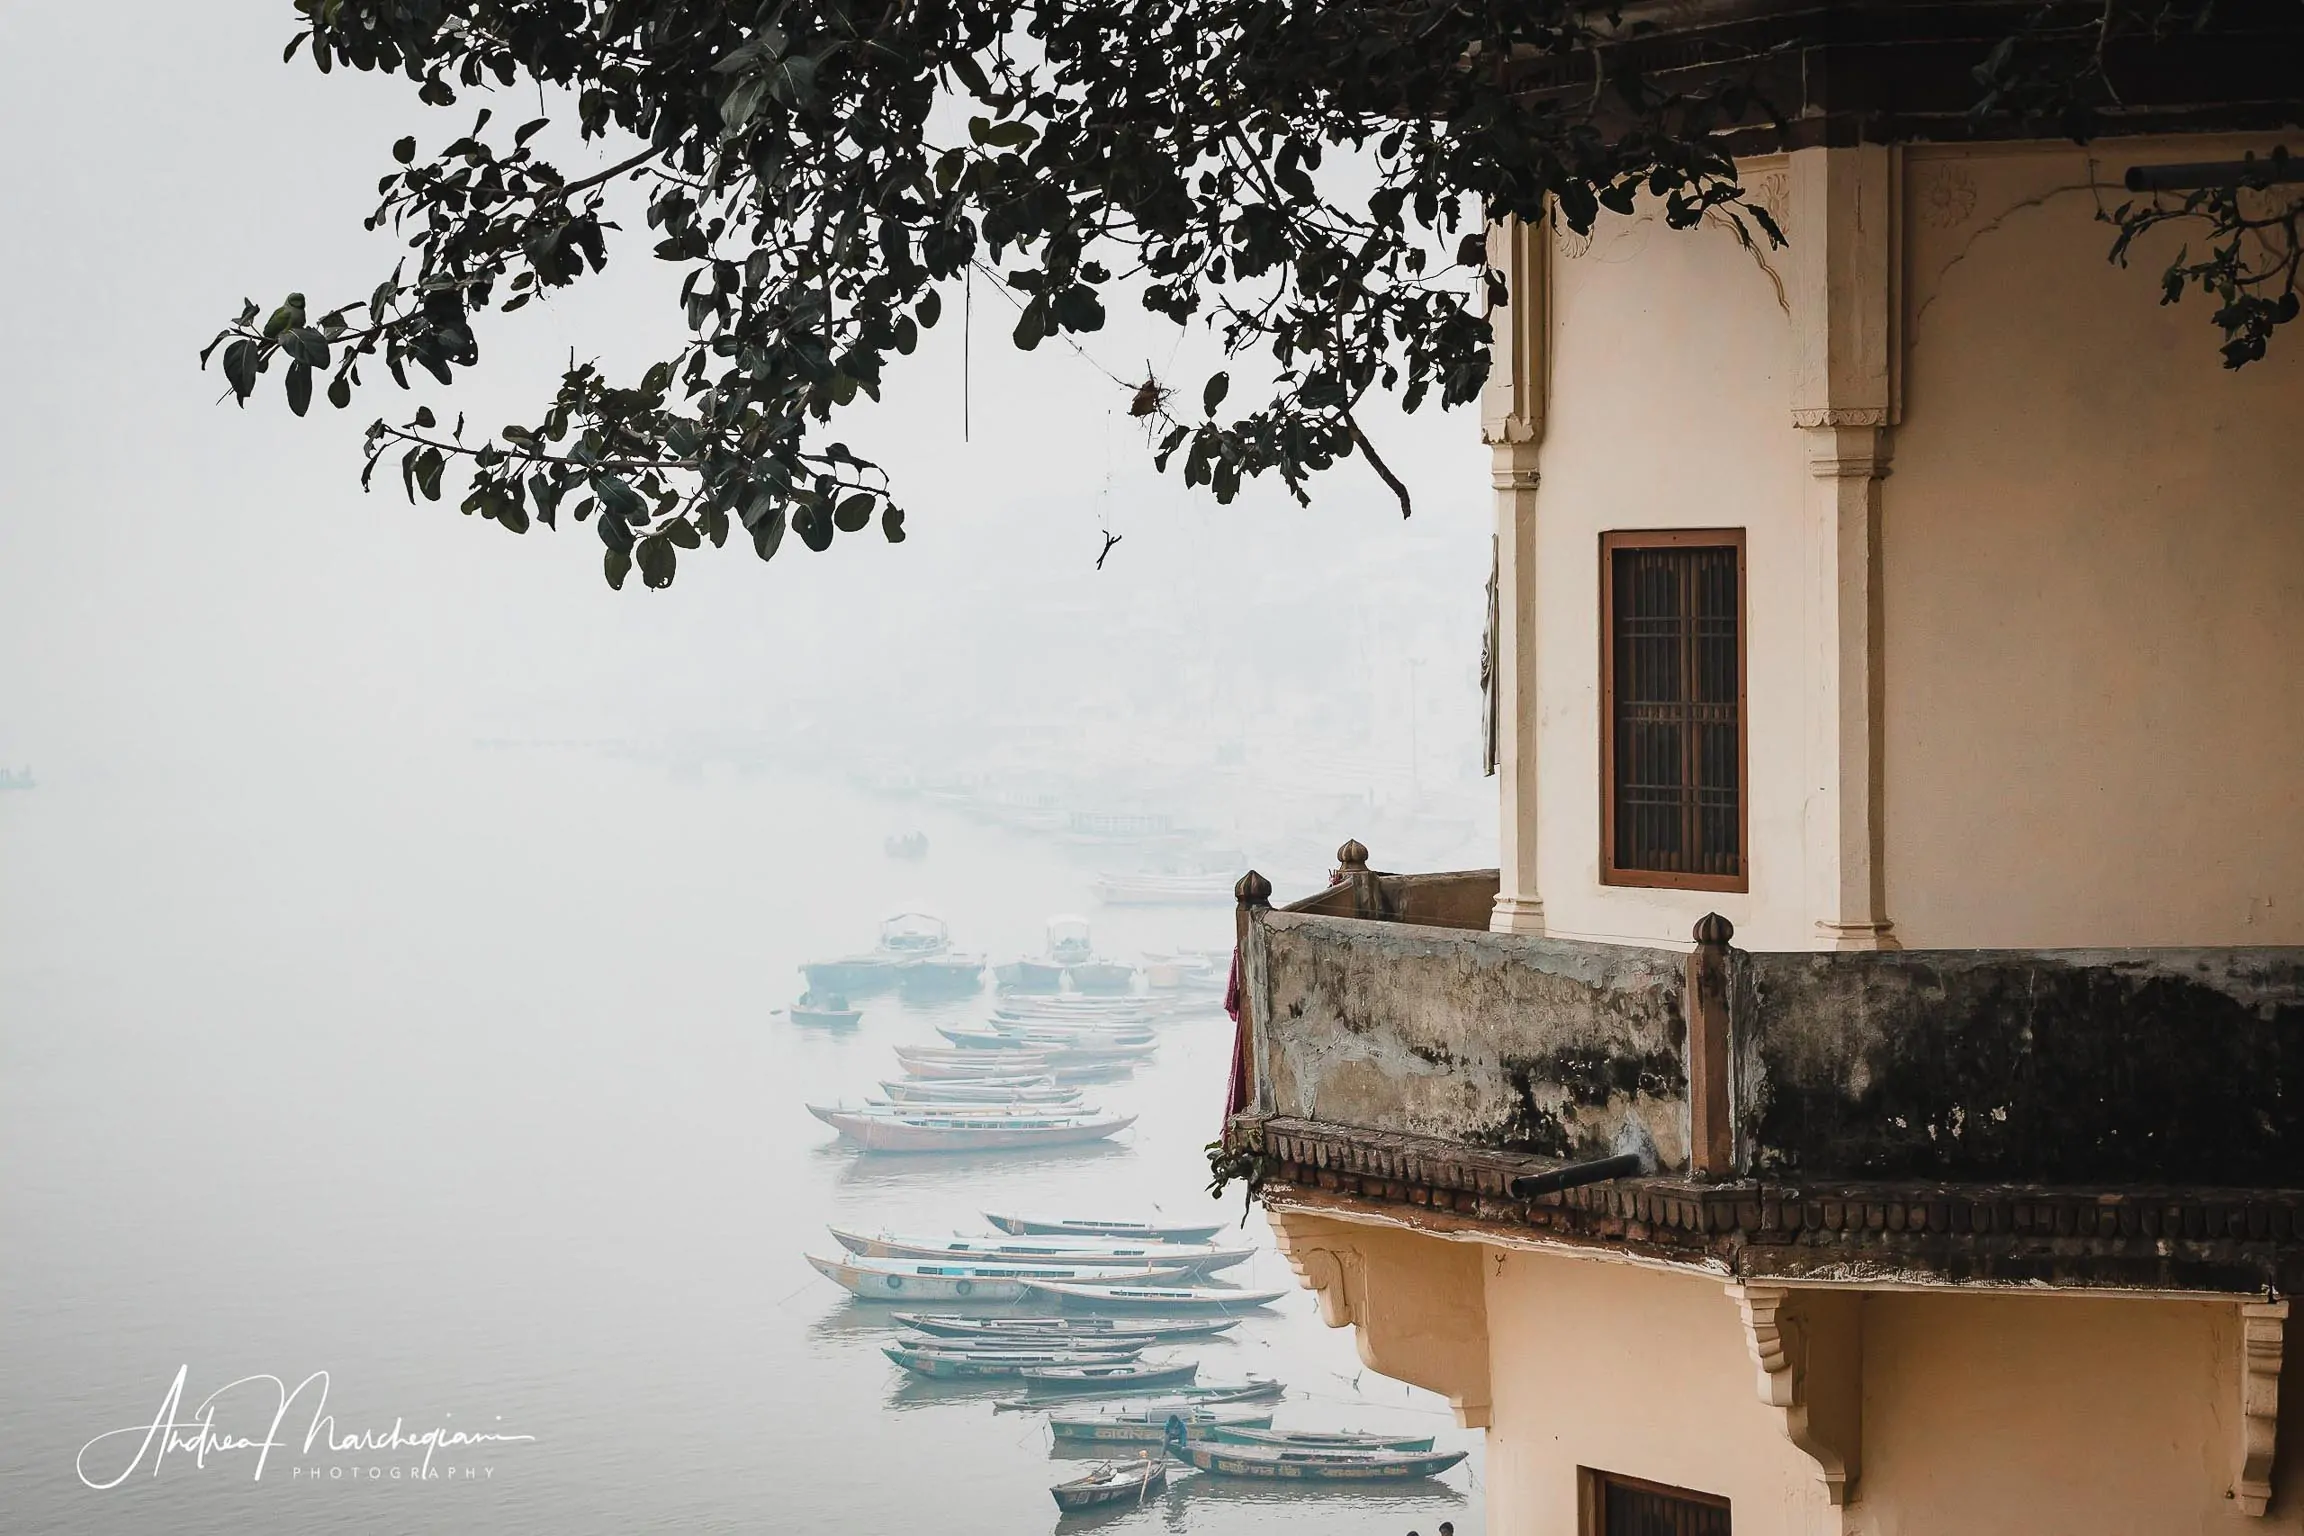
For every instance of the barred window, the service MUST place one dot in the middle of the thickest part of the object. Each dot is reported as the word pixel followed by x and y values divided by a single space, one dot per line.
pixel 1626 1506
pixel 1672 691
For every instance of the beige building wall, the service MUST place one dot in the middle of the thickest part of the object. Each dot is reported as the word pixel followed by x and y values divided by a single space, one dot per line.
pixel 2090 574
pixel 1703 443
pixel 1982 1415
pixel 2093 545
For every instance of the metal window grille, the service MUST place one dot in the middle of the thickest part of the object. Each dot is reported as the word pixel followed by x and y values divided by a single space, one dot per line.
pixel 1629 1508
pixel 1676 699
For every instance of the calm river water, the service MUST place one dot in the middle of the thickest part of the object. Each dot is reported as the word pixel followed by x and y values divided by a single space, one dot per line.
pixel 455 1078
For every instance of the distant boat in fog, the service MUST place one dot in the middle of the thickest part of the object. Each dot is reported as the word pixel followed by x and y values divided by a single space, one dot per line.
pixel 1071 958
pixel 825 1009
pixel 20 778
pixel 906 936
pixel 906 845
pixel 926 1280
pixel 1103 1226
pixel 1158 890
pixel 939 976
pixel 954 1129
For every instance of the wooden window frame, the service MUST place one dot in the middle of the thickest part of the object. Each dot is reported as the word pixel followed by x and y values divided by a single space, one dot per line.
pixel 1592 1497
pixel 1673 538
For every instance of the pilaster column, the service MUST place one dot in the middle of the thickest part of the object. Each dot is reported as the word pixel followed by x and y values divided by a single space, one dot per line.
pixel 1847 886
pixel 1512 423
pixel 1846 398
pixel 1519 905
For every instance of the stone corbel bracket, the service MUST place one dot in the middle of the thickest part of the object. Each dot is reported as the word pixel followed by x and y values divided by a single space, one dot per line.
pixel 2263 1329
pixel 1417 1305
pixel 1808 1348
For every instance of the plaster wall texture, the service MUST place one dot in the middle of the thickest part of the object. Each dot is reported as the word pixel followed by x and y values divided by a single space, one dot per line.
pixel 1636 1372
pixel 2005 1415
pixel 1716 451
pixel 2090 584
pixel 2093 551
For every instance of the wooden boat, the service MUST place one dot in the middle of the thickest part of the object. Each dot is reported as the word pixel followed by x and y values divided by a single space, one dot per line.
pixel 1314 1439
pixel 1147 1426
pixel 1108 1379
pixel 1155 890
pixel 1001 1036
pixel 921 1280
pixel 1125 1297
pixel 966 1091
pixel 1103 1226
pixel 1116 1346
pixel 1200 1259
pixel 980 1041
pixel 1257 1389
pixel 933 1132
pixel 939 976
pixel 1029 975
pixel 1102 976
pixel 1015 1063
pixel 1162 1328
pixel 1110 1346
pixel 1064 1058
pixel 1283 1463
pixel 1113 1483
pixel 905 845
pixel 828 1010
pixel 943 1063
pixel 906 936
pixel 974 1114
pixel 942 1365
pixel 1082 1008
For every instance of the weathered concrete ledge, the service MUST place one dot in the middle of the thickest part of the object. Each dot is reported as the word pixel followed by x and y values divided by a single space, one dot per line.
pixel 1497 1040
pixel 2053 1066
pixel 2062 1067
pixel 2211 1240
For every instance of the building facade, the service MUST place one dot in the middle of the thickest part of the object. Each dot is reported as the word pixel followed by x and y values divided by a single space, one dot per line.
pixel 1900 746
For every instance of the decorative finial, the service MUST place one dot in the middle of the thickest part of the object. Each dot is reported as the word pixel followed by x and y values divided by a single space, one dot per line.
pixel 1713 929
pixel 1353 855
pixel 1253 890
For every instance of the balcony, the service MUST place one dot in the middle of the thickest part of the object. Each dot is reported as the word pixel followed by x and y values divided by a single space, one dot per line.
pixel 2117 1119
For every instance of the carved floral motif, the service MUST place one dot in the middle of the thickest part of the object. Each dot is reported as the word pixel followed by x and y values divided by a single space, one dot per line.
pixel 1946 196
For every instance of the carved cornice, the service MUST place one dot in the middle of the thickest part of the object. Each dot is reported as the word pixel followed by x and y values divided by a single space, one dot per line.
pixel 2228 1242
pixel 1841 416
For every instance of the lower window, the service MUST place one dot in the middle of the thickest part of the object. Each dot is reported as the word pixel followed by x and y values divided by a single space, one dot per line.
pixel 1626 1506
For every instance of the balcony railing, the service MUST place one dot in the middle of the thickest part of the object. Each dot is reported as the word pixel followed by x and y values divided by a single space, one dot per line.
pixel 1402 1048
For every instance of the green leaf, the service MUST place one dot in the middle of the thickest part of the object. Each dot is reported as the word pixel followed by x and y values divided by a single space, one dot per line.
pixel 620 499
pixel 853 512
pixel 299 387
pixel 683 533
pixel 616 564
pixel 740 105
pixel 306 345
pixel 1219 385
pixel 892 524
pixel 931 307
pixel 240 368
pixel 657 560
pixel 793 80
pixel 340 391
pixel 767 533
pixel 404 150
pixel 428 467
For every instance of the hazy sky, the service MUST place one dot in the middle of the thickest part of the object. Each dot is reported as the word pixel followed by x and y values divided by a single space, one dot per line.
pixel 183 580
